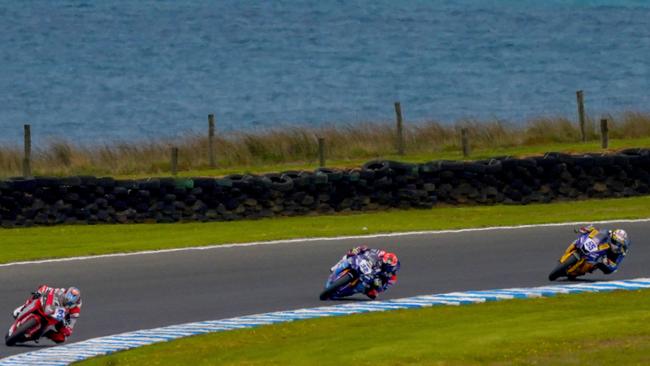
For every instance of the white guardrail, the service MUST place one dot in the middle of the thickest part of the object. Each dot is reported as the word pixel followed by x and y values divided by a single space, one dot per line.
pixel 66 354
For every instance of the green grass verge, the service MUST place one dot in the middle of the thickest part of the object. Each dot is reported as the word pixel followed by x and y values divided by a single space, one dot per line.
pixel 585 329
pixel 66 241
pixel 411 157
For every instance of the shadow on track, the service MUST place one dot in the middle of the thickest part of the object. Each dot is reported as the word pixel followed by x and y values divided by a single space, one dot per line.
pixel 350 299
pixel 583 280
pixel 26 345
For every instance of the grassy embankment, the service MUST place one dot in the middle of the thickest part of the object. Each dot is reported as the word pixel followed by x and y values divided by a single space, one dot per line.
pixel 65 241
pixel 296 148
pixel 586 329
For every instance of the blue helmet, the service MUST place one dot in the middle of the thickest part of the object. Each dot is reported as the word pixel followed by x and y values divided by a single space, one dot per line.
pixel 72 296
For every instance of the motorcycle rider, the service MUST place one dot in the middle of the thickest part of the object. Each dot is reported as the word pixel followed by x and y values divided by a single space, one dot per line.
pixel 387 264
pixel 69 299
pixel 618 241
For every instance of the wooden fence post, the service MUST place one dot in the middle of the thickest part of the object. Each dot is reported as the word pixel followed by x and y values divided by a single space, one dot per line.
pixel 464 138
pixel 211 140
pixel 174 162
pixel 400 132
pixel 321 152
pixel 604 133
pixel 27 159
pixel 581 114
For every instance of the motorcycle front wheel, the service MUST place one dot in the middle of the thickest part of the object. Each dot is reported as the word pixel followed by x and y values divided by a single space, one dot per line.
pixel 337 284
pixel 562 268
pixel 19 334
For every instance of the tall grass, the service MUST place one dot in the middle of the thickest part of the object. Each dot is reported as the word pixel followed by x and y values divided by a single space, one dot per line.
pixel 299 145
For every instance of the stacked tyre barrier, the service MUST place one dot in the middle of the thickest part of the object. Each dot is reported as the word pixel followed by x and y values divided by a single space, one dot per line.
pixel 375 186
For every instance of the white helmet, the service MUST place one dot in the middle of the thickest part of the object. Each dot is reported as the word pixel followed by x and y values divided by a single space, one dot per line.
pixel 619 241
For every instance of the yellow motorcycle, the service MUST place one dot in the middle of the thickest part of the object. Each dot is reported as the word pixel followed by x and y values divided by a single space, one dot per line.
pixel 581 257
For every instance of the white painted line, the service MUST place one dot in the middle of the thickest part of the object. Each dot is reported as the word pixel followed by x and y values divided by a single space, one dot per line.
pixel 311 240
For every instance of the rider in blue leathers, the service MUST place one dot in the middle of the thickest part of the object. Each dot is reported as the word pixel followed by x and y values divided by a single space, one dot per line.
pixel 618 241
pixel 385 262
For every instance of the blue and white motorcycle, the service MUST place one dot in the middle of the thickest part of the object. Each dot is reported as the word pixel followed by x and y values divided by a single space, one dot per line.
pixel 351 275
pixel 581 257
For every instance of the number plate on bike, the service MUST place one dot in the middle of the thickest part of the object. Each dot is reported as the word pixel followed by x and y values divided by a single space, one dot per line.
pixel 589 245
pixel 59 314
pixel 365 267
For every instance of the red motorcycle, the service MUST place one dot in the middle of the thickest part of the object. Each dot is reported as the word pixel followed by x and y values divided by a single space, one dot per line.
pixel 32 322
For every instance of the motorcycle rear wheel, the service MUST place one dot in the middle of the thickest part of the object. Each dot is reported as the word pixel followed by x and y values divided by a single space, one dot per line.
pixel 562 268
pixel 19 335
pixel 338 283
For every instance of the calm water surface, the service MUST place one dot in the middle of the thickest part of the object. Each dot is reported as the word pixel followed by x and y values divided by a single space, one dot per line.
pixel 130 70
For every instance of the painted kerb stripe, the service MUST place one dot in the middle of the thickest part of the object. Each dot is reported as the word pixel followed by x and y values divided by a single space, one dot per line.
pixel 67 354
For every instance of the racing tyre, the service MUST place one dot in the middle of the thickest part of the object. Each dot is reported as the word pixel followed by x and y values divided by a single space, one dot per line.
pixel 18 335
pixel 342 281
pixel 561 269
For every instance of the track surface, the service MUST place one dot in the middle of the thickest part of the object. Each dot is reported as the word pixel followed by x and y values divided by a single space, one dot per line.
pixel 150 290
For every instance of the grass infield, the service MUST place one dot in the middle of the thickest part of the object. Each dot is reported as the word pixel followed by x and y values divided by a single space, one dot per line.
pixel 76 240
pixel 585 329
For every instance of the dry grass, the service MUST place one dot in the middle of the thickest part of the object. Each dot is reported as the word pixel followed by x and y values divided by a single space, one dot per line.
pixel 299 145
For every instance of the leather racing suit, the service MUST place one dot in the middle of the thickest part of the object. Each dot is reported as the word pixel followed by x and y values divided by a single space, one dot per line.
pixel 386 275
pixel 609 263
pixel 53 299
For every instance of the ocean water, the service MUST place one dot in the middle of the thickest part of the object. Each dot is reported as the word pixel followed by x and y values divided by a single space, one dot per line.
pixel 107 70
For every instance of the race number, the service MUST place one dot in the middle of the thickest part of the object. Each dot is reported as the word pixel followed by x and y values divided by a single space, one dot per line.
pixel 59 314
pixel 590 246
pixel 365 268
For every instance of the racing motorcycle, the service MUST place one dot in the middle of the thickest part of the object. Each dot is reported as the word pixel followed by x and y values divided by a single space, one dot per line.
pixel 349 276
pixel 581 258
pixel 32 322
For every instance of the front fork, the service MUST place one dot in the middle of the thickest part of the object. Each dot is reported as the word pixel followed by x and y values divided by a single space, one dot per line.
pixel 570 250
pixel 578 269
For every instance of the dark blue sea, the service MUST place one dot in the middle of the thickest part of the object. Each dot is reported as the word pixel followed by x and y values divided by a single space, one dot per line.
pixel 110 70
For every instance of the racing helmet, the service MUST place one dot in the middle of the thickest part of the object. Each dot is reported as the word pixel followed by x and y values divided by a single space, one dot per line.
pixel 619 241
pixel 390 262
pixel 72 296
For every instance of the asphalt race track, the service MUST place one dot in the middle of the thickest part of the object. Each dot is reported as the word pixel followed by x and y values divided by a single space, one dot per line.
pixel 144 291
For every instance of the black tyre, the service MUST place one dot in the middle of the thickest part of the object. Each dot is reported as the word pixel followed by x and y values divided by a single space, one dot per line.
pixel 19 335
pixel 429 168
pixel 239 180
pixel 561 269
pixel 282 183
pixel 407 169
pixel 342 281
pixel 380 168
pixel 333 175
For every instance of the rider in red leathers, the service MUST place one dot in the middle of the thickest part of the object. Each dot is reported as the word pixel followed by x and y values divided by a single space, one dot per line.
pixel 388 263
pixel 69 299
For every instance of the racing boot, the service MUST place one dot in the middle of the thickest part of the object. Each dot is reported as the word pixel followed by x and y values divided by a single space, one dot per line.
pixel 372 294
